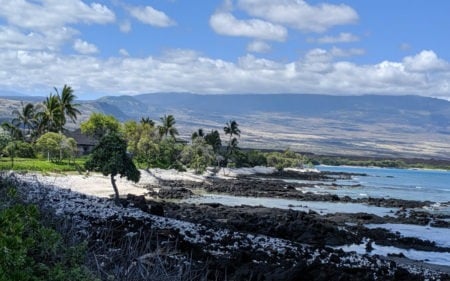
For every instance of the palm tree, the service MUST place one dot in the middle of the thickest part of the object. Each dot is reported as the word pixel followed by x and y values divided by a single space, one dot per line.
pixel 24 117
pixel 168 126
pixel 232 129
pixel 198 134
pixel 50 115
pixel 214 140
pixel 147 120
pixel 67 106
pixel 12 130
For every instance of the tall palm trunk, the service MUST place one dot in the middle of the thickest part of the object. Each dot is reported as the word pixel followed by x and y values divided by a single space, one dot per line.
pixel 116 191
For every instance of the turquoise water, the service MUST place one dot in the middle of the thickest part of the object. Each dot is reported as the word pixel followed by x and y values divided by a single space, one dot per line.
pixel 431 185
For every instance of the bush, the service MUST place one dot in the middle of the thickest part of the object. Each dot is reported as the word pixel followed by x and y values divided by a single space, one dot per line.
pixel 256 158
pixel 54 146
pixel 198 156
pixel 30 251
pixel 287 159
pixel 21 149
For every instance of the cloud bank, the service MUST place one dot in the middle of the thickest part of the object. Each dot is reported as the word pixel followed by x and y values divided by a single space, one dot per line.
pixel 318 71
pixel 41 46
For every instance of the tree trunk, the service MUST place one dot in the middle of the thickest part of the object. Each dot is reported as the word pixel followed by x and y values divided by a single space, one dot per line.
pixel 116 191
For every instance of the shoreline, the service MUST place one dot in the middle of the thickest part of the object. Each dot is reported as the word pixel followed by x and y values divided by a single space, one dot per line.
pixel 203 214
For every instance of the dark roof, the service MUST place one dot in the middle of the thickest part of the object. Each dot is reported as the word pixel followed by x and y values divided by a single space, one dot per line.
pixel 81 138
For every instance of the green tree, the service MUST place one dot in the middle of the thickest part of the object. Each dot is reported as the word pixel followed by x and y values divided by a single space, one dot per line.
pixel 49 117
pixel 5 139
pixel 11 149
pixel 197 134
pixel 198 156
pixel 167 127
pixel 147 147
pixel 98 125
pixel 147 120
pixel 256 158
pixel 110 158
pixel 14 132
pixel 286 159
pixel 24 149
pixel 213 139
pixel 169 154
pixel 55 146
pixel 67 106
pixel 25 117
pixel 132 133
pixel 232 129
pixel 148 151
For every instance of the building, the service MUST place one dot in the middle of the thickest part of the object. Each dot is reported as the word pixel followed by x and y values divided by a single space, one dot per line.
pixel 85 143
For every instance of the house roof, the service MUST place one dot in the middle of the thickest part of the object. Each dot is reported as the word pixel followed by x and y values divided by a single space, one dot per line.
pixel 81 138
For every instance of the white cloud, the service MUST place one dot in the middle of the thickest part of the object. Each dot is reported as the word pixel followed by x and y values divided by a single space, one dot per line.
pixel 50 40
pixel 227 24
pixel 151 16
pixel 319 71
pixel 338 52
pixel 14 38
pixel 124 52
pixel 322 55
pixel 125 26
pixel 47 14
pixel 48 24
pixel 258 47
pixel 343 37
pixel 299 14
pixel 84 47
pixel 425 61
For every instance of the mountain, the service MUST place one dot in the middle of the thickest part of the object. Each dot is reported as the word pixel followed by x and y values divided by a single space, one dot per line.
pixel 369 125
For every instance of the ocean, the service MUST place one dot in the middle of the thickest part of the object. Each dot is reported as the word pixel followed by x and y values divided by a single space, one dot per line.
pixel 409 184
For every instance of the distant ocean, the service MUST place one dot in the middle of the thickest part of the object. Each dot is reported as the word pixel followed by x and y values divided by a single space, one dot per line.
pixel 409 184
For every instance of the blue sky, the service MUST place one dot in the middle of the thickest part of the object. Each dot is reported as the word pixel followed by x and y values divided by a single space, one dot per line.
pixel 113 47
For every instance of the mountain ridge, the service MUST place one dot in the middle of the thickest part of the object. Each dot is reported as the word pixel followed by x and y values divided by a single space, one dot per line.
pixel 373 125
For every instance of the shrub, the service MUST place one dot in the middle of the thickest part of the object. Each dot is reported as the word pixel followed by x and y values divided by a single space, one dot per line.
pixel 198 156
pixel 21 149
pixel 287 159
pixel 256 158
pixel 30 251
pixel 54 146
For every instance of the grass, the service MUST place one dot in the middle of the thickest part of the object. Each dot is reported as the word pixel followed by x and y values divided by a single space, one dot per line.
pixel 42 165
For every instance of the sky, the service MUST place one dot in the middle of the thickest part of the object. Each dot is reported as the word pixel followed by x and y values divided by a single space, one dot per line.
pixel 116 47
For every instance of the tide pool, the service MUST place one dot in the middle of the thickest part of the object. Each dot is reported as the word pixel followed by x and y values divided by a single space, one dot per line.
pixel 320 207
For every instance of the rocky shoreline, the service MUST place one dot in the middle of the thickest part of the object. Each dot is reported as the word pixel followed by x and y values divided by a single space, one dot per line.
pixel 244 242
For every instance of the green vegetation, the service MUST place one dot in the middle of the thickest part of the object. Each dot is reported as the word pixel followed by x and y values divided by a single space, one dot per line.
pixel 39 128
pixel 42 165
pixel 403 163
pixel 56 146
pixel 38 131
pixel 198 156
pixel 286 159
pixel 110 158
pixel 5 139
pixel 232 129
pixel 98 125
pixel 30 251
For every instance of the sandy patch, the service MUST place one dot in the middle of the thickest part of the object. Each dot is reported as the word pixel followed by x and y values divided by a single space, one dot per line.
pixel 98 185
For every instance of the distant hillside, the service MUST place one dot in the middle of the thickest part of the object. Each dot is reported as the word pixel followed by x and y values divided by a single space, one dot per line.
pixel 370 125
